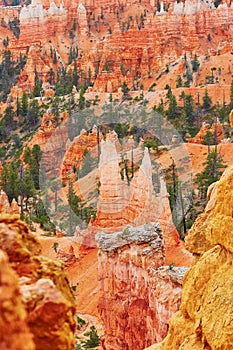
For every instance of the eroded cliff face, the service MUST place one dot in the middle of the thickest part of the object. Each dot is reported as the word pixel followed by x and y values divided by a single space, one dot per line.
pixel 104 32
pixel 44 308
pixel 205 316
pixel 137 294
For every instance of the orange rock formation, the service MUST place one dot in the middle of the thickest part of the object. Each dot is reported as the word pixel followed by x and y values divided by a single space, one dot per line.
pixel 121 202
pixel 45 291
pixel 15 333
pixel 215 130
pixel 205 316
pixel 5 207
pixel 137 294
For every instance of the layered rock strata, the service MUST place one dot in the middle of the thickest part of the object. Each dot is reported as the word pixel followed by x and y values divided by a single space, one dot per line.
pixel 137 293
pixel 206 312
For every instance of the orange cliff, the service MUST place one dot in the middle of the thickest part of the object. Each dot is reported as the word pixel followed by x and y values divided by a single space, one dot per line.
pixel 162 39
pixel 41 310
pixel 137 293
pixel 123 202
pixel 205 316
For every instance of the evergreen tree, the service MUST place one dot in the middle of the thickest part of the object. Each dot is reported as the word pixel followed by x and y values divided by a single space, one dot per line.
pixel 195 63
pixel 173 110
pixel 207 102
pixel 26 186
pixel 12 185
pixel 33 113
pixel 9 115
pixel 75 75
pixel 24 104
pixel 231 97
pixel 210 174
pixel 81 101
pixel 124 89
pixel 94 339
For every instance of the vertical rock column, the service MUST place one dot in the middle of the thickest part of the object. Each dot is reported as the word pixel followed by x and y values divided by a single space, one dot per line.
pixel 137 295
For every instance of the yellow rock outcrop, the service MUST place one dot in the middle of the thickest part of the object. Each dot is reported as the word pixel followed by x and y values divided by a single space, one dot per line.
pixel 205 318
pixel 14 332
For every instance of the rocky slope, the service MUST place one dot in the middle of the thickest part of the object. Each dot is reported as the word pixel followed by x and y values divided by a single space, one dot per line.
pixel 43 309
pixel 205 315
pixel 137 294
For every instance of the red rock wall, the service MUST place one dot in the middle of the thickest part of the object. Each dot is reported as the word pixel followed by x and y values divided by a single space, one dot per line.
pixel 136 297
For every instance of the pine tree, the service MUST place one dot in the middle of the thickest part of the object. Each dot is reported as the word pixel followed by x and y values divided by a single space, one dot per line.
pixel 94 339
pixel 24 104
pixel 173 110
pixel 210 174
pixel 81 101
pixel 231 97
pixel 75 75
pixel 207 102
pixel 195 63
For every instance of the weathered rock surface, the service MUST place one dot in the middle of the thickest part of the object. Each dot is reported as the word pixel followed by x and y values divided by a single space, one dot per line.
pixel 137 293
pixel 205 316
pixel 15 333
pixel 46 294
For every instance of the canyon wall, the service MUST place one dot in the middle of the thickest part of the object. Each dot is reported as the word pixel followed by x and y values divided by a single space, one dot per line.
pixel 137 293
pixel 38 305
pixel 205 316
pixel 105 33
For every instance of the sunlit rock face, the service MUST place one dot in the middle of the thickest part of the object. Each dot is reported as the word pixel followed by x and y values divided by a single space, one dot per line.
pixel 15 333
pixel 205 316
pixel 137 293
pixel 39 304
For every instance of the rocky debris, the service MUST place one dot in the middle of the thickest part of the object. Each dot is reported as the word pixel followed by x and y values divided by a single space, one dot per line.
pixel 206 312
pixel 46 294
